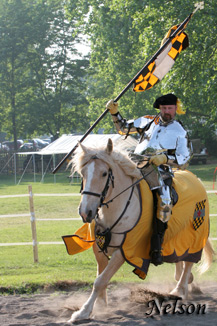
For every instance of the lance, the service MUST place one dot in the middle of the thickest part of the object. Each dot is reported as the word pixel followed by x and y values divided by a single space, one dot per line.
pixel 180 28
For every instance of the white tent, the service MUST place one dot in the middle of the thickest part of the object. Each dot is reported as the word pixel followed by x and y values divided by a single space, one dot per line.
pixel 66 143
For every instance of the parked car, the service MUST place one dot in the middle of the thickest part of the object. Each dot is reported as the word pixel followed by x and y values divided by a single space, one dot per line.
pixel 40 143
pixel 4 148
pixel 47 140
pixel 26 147
pixel 200 153
pixel 10 144
pixel 37 143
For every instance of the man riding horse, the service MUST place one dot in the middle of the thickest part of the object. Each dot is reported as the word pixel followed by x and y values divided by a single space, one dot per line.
pixel 164 140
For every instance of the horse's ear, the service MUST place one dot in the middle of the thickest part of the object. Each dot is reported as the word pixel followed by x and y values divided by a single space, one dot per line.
pixel 109 147
pixel 82 147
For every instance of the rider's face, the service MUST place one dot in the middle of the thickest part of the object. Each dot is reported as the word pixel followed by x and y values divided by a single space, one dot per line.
pixel 168 112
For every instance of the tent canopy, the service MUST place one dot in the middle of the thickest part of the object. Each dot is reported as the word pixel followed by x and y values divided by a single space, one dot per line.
pixel 66 143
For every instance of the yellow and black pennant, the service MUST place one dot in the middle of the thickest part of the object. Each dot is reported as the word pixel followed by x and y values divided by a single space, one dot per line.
pixel 159 67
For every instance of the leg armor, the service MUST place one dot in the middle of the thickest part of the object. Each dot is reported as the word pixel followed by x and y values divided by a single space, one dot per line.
pixel 160 178
pixel 165 203
pixel 164 192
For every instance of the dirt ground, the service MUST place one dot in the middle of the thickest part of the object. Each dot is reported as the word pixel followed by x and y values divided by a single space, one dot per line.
pixel 129 305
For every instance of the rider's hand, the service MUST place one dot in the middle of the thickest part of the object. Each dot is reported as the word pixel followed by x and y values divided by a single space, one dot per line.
pixel 158 159
pixel 112 106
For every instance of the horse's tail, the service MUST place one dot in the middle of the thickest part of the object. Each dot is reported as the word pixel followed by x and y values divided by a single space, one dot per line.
pixel 208 253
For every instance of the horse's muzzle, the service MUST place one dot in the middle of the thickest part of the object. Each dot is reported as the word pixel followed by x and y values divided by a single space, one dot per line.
pixel 86 217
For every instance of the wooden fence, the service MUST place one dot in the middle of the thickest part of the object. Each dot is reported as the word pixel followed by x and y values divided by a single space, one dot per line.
pixel 33 220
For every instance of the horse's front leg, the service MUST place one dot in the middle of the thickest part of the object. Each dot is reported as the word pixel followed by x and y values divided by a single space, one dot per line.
pixel 102 262
pixel 100 284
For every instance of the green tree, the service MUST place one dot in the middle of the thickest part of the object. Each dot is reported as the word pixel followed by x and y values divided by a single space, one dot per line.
pixel 42 75
pixel 15 39
pixel 124 34
pixel 113 57
pixel 59 76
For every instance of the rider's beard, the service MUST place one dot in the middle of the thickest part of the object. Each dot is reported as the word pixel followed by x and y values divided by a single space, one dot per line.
pixel 166 117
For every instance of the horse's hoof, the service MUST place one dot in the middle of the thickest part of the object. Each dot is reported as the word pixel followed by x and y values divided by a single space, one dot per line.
pixel 77 316
pixel 74 317
pixel 179 293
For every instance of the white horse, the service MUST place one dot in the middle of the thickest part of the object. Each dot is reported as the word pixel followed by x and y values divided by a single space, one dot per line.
pixel 106 173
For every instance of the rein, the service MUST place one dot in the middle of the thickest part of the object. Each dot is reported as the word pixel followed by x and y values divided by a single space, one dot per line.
pixel 106 188
pixel 124 210
pixel 103 238
pixel 120 193
pixel 131 186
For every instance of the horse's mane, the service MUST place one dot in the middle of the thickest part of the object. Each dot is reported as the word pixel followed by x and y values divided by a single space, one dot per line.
pixel 117 157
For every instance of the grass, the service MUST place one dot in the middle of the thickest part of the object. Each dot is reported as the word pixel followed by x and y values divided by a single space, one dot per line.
pixel 18 272
pixel 62 184
pixel 205 173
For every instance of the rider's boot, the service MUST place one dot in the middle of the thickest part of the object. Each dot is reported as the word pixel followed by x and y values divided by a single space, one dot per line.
pixel 162 208
pixel 161 218
pixel 156 243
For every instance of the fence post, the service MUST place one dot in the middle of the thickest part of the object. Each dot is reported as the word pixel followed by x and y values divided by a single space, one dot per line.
pixel 33 225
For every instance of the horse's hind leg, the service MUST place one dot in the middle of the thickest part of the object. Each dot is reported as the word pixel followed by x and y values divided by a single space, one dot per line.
pixel 178 272
pixel 181 288
pixel 100 284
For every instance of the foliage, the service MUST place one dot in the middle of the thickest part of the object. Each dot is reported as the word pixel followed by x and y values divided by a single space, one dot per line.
pixel 58 76
pixel 14 42
pixel 124 35
pixel 46 86
pixel 41 73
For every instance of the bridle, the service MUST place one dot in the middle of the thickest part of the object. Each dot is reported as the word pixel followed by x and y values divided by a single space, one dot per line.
pixel 103 238
pixel 110 180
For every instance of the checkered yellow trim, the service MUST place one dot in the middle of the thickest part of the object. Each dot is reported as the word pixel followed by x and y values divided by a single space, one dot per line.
pixel 200 205
pixel 199 214
pixel 146 80
pixel 177 46
pixel 100 239
pixel 197 222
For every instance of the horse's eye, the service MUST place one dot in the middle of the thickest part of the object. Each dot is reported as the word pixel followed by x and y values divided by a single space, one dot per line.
pixel 104 174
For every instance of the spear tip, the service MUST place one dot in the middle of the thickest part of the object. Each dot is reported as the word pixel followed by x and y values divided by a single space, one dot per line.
pixel 199 5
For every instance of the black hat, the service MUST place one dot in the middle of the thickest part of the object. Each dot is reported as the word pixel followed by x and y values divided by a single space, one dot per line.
pixel 168 99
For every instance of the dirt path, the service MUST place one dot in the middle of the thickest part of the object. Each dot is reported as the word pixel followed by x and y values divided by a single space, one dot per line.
pixel 132 305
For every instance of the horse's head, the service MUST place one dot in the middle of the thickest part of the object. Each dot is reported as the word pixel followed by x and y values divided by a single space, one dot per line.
pixel 97 177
